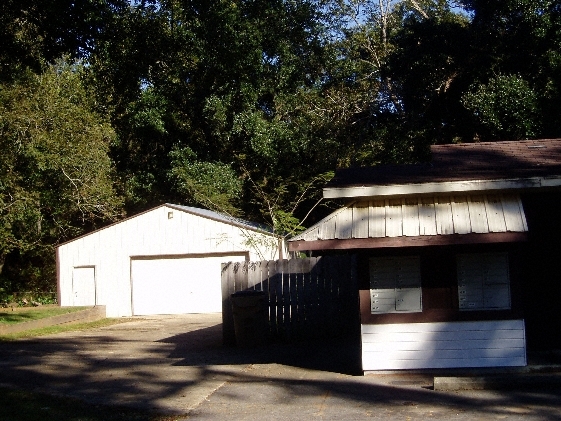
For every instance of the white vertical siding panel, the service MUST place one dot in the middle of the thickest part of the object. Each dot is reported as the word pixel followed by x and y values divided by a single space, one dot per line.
pixel 207 234
pixel 522 214
pixel 360 220
pixel 135 235
pixel 495 214
pixel 394 218
pixel 128 231
pixel 176 234
pixel 344 224
pixel 477 214
pixel 313 234
pixel 211 232
pixel 77 255
pixel 513 213
pixel 460 215
pixel 444 221
pixel 411 217
pixel 427 217
pixel 236 239
pixel 377 219
pixel 328 229
pixel 159 234
pixel 188 233
pixel 170 242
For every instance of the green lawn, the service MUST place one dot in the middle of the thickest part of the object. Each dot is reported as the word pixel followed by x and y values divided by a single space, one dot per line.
pixel 20 315
pixel 50 330
pixel 19 405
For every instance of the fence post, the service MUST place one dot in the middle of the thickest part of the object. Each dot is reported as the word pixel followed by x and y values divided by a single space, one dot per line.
pixel 228 332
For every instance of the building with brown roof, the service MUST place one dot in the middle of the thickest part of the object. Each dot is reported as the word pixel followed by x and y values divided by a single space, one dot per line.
pixel 457 258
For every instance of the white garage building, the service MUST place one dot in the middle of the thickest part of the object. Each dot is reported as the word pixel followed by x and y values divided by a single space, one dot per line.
pixel 163 261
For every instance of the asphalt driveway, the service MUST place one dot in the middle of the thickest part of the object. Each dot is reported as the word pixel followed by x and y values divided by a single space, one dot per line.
pixel 177 364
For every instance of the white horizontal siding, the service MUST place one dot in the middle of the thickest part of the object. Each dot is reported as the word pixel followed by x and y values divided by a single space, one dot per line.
pixel 427 216
pixel 443 345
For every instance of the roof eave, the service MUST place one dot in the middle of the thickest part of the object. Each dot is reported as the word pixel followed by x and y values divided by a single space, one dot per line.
pixel 446 187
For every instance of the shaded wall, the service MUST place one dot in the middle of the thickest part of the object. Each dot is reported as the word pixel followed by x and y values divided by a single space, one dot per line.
pixel 542 270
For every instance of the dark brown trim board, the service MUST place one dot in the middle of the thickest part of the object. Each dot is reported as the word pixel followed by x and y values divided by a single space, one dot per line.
pixel 420 241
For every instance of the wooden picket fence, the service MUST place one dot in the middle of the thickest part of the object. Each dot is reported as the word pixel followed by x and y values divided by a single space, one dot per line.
pixel 309 298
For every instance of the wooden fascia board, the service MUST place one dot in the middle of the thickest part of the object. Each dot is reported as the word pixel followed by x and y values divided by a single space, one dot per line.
pixel 420 241
pixel 439 188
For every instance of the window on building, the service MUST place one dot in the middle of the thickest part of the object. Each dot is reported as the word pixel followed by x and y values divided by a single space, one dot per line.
pixel 395 284
pixel 483 281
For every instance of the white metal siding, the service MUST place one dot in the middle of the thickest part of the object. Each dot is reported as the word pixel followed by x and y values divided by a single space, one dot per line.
pixel 443 345
pixel 151 234
pixel 412 217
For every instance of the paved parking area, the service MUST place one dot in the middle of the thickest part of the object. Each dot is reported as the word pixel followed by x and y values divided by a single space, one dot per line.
pixel 177 364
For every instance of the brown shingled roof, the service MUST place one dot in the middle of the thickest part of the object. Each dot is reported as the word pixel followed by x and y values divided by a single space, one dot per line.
pixel 466 161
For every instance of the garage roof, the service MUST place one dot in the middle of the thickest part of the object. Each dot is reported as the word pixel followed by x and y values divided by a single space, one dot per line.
pixel 220 217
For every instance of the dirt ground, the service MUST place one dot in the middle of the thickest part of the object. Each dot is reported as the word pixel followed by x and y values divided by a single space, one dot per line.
pixel 177 364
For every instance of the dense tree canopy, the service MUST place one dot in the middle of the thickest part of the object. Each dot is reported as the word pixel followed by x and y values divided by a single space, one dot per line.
pixel 247 106
pixel 55 172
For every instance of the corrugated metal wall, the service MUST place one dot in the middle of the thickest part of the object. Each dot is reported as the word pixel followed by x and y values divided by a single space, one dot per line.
pixel 152 233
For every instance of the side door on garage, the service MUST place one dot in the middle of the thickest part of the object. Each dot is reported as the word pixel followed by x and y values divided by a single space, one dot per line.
pixel 83 286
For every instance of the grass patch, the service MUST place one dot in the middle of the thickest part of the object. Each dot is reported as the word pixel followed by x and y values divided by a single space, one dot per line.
pixel 50 330
pixel 10 317
pixel 18 405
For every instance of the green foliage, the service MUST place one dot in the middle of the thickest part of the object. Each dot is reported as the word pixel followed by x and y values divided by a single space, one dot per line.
pixel 504 108
pixel 56 177
pixel 213 185
pixel 246 107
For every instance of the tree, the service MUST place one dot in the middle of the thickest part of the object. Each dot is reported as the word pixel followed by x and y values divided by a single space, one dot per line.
pixel 521 38
pixel 505 108
pixel 211 184
pixel 192 86
pixel 34 33
pixel 56 176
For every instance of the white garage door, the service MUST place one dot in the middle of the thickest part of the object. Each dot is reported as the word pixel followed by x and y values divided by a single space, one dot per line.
pixel 178 285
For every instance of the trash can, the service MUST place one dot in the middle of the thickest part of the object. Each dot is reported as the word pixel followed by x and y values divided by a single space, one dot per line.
pixel 250 318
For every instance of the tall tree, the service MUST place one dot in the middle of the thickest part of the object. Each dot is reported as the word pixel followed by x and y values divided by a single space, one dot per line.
pixel 56 179
pixel 34 33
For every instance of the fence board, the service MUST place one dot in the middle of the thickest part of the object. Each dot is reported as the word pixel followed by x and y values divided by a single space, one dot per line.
pixel 275 282
pixel 313 302
pixel 302 268
pixel 228 334
pixel 293 267
pixel 308 298
pixel 284 318
pixel 254 276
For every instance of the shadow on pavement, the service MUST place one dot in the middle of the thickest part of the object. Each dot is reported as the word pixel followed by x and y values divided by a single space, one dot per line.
pixel 204 347
pixel 193 371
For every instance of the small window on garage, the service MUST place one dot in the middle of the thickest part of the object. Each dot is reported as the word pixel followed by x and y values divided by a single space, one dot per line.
pixel 483 282
pixel 395 284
